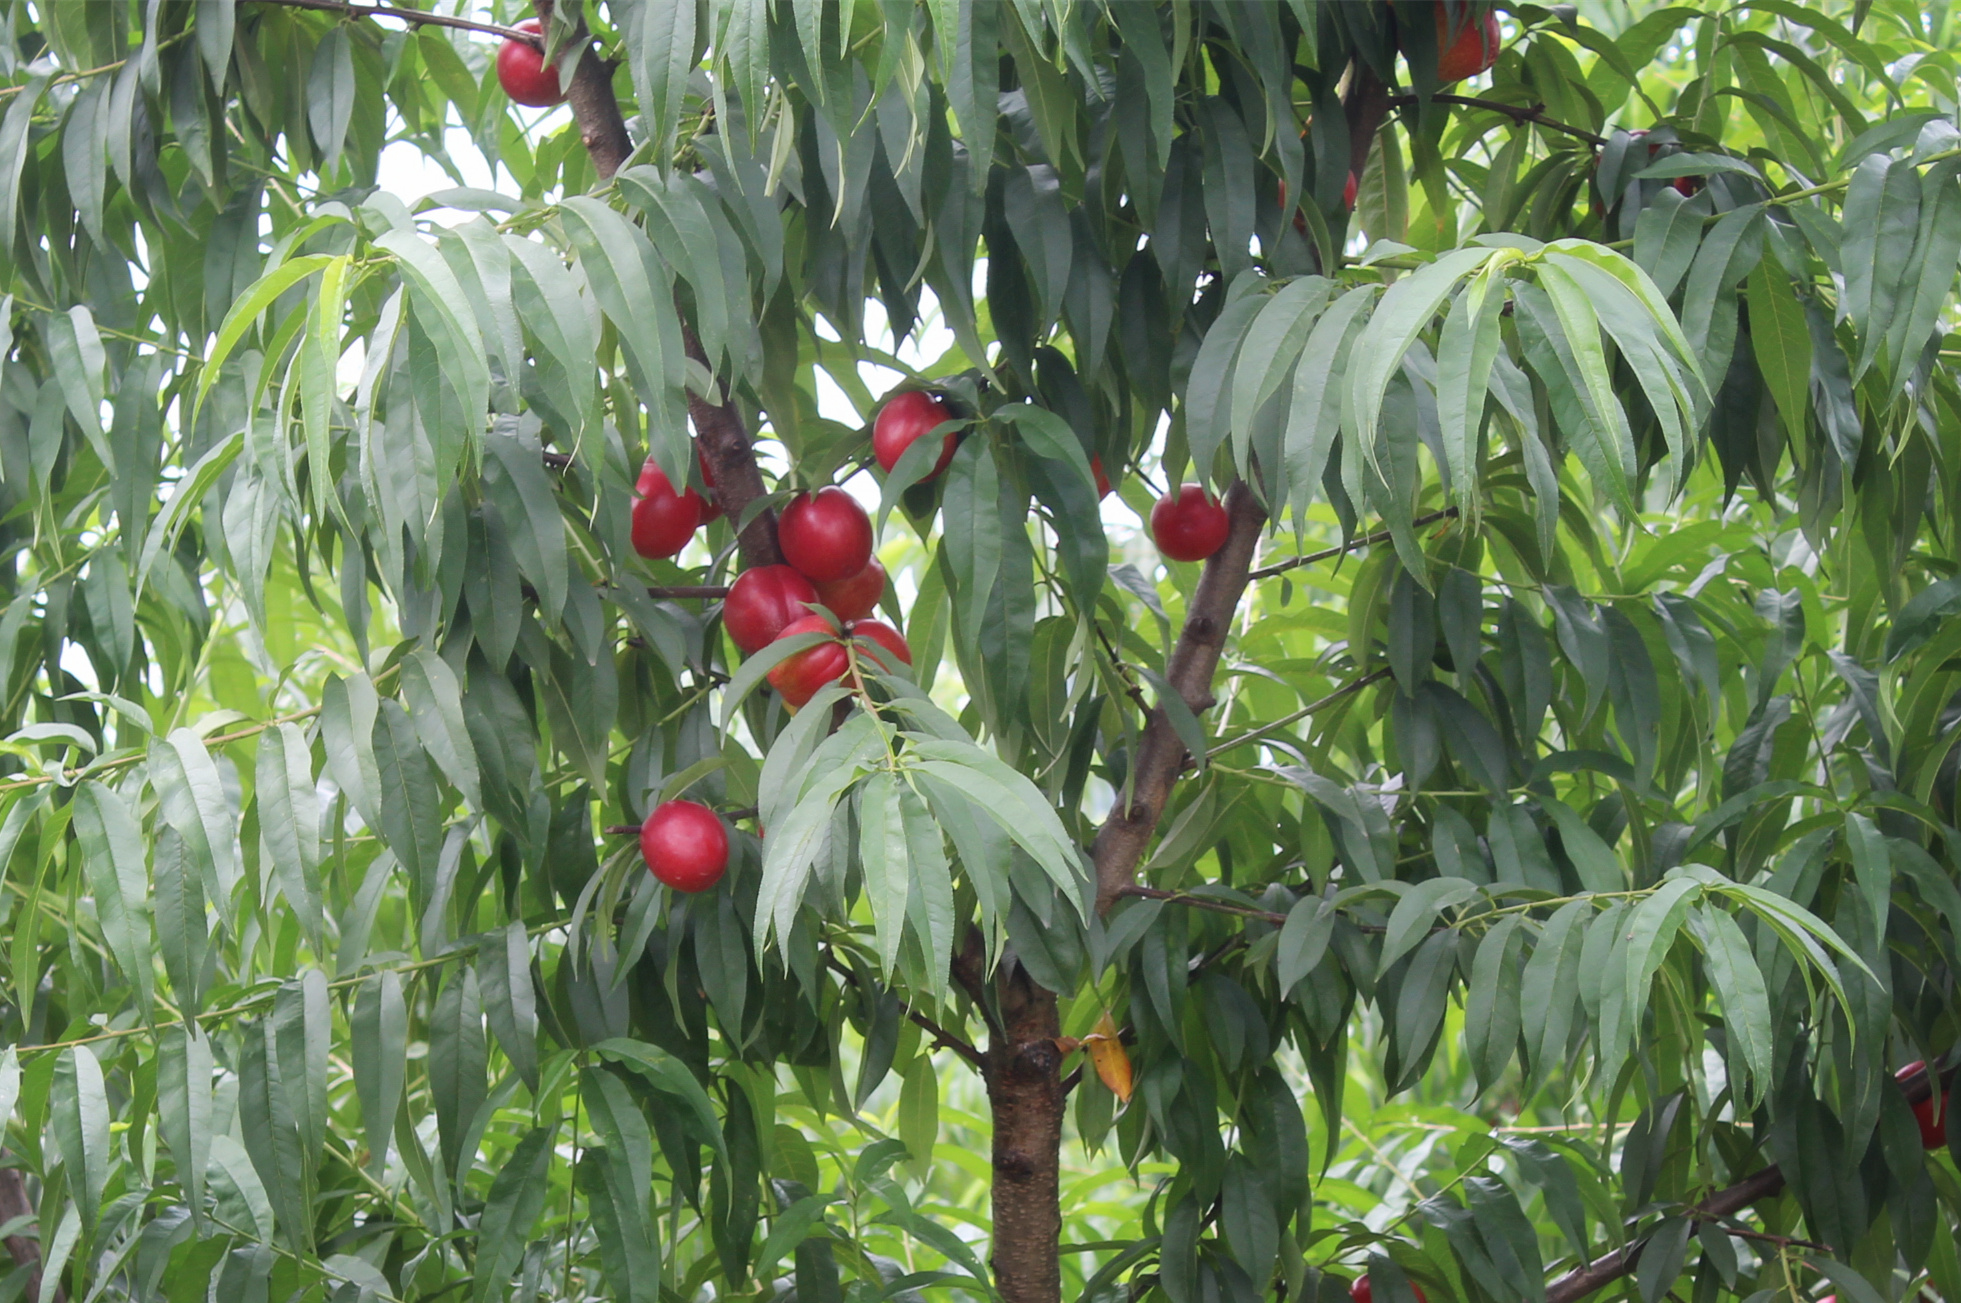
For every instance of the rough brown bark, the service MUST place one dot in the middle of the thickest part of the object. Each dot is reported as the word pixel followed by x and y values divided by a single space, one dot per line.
pixel 1125 835
pixel 1025 1095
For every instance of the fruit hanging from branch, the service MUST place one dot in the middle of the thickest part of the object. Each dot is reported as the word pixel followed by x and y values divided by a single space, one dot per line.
pixel 1933 1126
pixel 761 602
pixel 685 845
pixel 855 596
pixel 523 72
pixel 663 520
pixel 906 418
pixel 803 674
pixel 1468 49
pixel 826 535
pixel 1189 524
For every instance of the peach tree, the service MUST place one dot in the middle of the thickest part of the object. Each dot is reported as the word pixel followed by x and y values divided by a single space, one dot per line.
pixel 840 649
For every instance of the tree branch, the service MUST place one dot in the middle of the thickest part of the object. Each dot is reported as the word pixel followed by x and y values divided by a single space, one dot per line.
pixel 941 1036
pixel 1367 540
pixel 1727 1202
pixel 1518 113
pixel 1121 842
pixel 411 16
pixel 594 107
pixel 723 438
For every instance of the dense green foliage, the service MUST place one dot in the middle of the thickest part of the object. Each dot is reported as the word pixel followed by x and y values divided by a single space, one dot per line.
pixel 1578 844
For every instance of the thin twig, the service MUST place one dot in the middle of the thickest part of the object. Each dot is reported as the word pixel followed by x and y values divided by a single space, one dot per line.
pixel 1367 540
pixel 941 1036
pixel 708 591
pixel 412 16
pixel 1518 113
pixel 1346 689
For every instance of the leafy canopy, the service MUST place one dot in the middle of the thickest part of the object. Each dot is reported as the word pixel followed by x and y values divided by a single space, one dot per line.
pixel 1566 839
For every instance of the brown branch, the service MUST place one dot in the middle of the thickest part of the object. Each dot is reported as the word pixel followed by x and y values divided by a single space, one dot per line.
pixel 1518 113
pixel 1367 540
pixel 1725 1203
pixel 731 459
pixel 723 439
pixel 1121 842
pixel 412 17
pixel 941 1036
pixel 25 1250
pixel 595 109
pixel 672 591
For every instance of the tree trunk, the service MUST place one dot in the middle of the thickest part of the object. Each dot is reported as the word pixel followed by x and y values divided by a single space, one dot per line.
pixel 1024 1092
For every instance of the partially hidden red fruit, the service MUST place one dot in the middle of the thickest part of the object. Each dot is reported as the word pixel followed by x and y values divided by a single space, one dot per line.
pixel 685 845
pixel 826 535
pixel 1348 192
pixel 1189 525
pixel 905 419
pixel 888 638
pixel 802 675
pixel 1474 49
pixel 1687 185
pixel 663 520
pixel 761 602
pixel 1933 1129
pixel 523 72
pixel 711 505
pixel 1102 480
pixel 856 596
pixel 1362 1292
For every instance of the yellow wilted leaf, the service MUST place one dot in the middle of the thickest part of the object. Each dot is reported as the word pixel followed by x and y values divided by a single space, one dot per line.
pixel 1106 1051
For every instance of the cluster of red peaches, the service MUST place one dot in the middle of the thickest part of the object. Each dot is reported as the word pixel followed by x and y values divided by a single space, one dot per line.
pixel 828 584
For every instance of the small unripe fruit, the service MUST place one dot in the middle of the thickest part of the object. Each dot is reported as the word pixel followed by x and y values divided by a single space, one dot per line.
pixel 523 72
pixel 761 602
pixel 1189 524
pixel 826 535
pixel 1473 50
pixel 856 596
pixel 905 419
pixel 685 845
pixel 663 520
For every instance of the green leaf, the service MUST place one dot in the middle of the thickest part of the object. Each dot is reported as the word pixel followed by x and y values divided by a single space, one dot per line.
pixel 434 697
pixel 1304 940
pixel 289 822
pixel 1405 311
pixel 457 1061
pixel 378 1028
pixel 184 1104
pixel 971 525
pixel 517 1197
pixel 510 1005
pixel 112 857
pixel 80 1108
pixel 1410 922
pixel 245 311
pixel 1740 987
pixel 671 1078
pixel 1782 343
